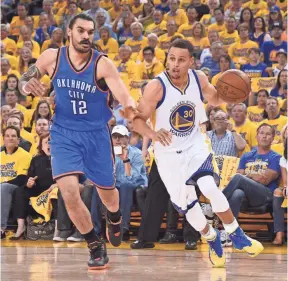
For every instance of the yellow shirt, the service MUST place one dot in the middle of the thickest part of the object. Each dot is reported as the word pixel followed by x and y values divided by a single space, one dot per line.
pixel 255 113
pixel 127 70
pixel 10 46
pixel 255 8
pixel 58 5
pixel 112 46
pixel 239 52
pixel 156 28
pixel 217 27
pixel 106 5
pixel 4 77
pixel 186 30
pixel 215 78
pixel 113 14
pixel 136 11
pixel 150 72
pixel 278 147
pixel 46 44
pixel 136 46
pixel 228 38
pixel 180 18
pixel 35 50
pixel 206 19
pixel 278 125
pixel 13 61
pixel 27 136
pixel 159 55
pixel 15 164
pixel 184 4
pixel 15 25
pixel 164 41
pixel 34 148
pixel 199 45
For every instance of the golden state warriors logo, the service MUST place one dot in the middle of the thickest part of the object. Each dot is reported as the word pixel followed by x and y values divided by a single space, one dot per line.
pixel 182 119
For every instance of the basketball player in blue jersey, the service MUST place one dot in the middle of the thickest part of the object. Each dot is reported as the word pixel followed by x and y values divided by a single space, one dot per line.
pixel 83 80
pixel 174 99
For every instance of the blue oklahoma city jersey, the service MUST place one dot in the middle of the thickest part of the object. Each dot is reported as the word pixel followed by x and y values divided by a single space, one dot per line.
pixel 80 104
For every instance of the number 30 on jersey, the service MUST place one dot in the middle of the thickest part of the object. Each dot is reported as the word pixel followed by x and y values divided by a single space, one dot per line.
pixel 79 107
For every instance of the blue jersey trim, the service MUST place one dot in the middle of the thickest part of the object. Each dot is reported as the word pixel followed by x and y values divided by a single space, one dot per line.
pixel 198 83
pixel 164 92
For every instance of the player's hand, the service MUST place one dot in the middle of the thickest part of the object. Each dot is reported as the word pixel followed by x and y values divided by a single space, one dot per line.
pixel 129 113
pixel 31 182
pixel 35 87
pixel 163 136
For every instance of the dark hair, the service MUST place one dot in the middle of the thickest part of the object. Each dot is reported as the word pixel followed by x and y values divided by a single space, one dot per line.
pixel 285 149
pixel 24 5
pixel 36 115
pixel 265 114
pixel 271 22
pixel 15 112
pixel 263 24
pixel 226 57
pixel 15 116
pixel 263 90
pixel 82 17
pixel 256 50
pixel 6 82
pixel 266 125
pixel 42 137
pixel 183 44
pixel 12 90
pixel 251 17
pixel 13 128
pixel 278 85
pixel 191 6
pixel 143 10
pixel 53 46
pixel 208 111
pixel 149 48
pixel 219 9
pixel 32 61
pixel 244 25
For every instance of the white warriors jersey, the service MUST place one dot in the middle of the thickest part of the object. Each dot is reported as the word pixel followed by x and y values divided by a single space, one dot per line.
pixel 180 112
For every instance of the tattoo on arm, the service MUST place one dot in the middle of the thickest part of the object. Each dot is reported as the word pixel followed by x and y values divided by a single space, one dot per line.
pixel 32 72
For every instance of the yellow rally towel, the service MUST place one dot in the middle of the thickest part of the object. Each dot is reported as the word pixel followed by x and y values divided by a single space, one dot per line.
pixel 42 203
pixel 285 203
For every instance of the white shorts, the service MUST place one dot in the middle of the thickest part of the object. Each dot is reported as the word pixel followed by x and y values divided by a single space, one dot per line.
pixel 177 168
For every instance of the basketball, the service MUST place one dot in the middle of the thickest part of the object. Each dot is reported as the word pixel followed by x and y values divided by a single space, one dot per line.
pixel 233 86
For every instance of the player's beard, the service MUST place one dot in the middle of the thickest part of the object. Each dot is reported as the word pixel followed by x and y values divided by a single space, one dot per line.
pixel 80 47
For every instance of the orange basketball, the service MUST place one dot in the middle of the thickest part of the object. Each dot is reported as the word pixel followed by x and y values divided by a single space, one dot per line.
pixel 233 86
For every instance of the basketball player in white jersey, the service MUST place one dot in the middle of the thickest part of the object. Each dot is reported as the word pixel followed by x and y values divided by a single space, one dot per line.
pixel 174 99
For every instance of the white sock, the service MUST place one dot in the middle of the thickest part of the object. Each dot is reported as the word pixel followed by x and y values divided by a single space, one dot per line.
pixel 230 228
pixel 210 235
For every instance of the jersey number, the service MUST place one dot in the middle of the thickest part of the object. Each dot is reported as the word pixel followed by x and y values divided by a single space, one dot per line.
pixel 79 107
pixel 188 113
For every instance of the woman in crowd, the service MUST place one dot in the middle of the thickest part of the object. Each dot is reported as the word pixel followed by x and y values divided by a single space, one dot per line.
pixel 246 16
pixel 259 33
pixel 146 16
pixel 11 83
pixel 280 89
pixel 123 32
pixel 42 110
pixel 107 44
pixel 24 58
pixel 39 179
pixel 198 39
pixel 255 113
pixel 274 16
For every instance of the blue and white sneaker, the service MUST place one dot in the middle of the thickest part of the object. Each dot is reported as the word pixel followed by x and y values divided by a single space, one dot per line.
pixel 216 254
pixel 242 242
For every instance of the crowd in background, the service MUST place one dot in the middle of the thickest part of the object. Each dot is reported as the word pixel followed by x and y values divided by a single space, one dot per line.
pixel 136 35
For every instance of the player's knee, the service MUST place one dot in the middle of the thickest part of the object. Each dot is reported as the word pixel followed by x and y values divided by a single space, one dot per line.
pixel 207 186
pixel 71 197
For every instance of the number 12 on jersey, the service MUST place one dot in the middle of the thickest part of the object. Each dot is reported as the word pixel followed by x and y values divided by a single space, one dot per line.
pixel 79 107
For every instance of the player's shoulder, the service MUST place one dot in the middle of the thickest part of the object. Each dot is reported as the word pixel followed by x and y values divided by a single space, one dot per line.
pixel 50 54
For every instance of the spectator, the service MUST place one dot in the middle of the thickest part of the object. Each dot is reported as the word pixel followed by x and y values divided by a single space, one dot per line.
pixel 100 22
pixel 257 174
pixel 275 16
pixel 115 10
pixel 44 32
pixel 257 6
pixel 201 8
pixel 239 51
pixel 234 10
pixel 255 113
pixel 219 25
pixel 65 18
pixel 15 162
pixel 26 35
pixel 42 110
pixel 259 33
pixel 164 6
pixel 138 41
pixel 39 180
pixel 134 138
pixel 207 72
pixel 176 14
pixel 278 197
pixel 230 35
pixel 116 113
pixel 280 89
pixel 246 16
pixel 124 31
pixel 153 43
pixel 10 45
pixel 57 38
pixel 95 8
pixel 6 70
pixel 198 39
pixel 146 16
pixel 224 63
pixel 24 58
pixel 18 21
pixel 210 112
pixel 165 39
pixel 270 48
pixel 158 26
pixel 11 82
pixel 12 59
pixel 209 18
pixel 186 28
pixel 213 36
pixel 4 116
pixel 243 126
pixel 273 118
pixel 150 67
pixel 281 57
pixel 137 7
pixel 11 98
pixel 47 7
pixel 107 44
pixel 16 122
pixel 255 68
pixel 225 142
pixel 29 22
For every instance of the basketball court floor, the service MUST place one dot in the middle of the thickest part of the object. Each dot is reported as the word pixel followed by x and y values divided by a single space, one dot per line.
pixel 47 261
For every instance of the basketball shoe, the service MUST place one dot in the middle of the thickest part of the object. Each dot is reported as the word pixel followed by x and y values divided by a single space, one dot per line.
pixel 216 254
pixel 242 242
pixel 114 231
pixel 98 256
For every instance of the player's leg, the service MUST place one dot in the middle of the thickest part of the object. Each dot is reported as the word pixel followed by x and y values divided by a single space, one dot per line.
pixel 221 207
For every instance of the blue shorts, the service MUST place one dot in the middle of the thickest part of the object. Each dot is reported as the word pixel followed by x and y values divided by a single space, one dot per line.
pixel 88 153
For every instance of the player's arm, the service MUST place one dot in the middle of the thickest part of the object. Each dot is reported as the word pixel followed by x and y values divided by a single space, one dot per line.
pixel 208 90
pixel 109 72
pixel 29 82
pixel 153 93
